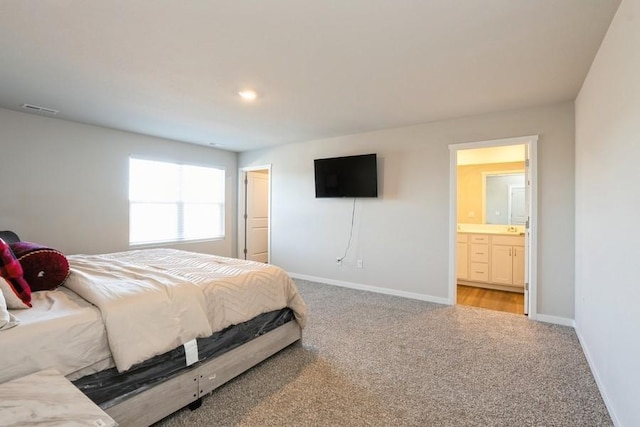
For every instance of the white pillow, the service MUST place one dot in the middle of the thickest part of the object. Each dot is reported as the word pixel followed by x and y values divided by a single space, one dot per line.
pixel 7 320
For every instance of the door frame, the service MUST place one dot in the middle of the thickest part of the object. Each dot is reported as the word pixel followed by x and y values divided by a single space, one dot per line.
pixel 531 235
pixel 241 207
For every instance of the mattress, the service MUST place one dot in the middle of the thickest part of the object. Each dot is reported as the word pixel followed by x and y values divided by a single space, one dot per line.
pixel 62 331
pixel 154 300
pixel 110 387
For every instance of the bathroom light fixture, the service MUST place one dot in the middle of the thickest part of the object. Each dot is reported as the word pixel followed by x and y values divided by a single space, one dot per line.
pixel 248 94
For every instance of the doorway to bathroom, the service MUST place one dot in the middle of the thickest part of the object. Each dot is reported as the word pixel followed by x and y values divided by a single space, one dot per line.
pixel 254 221
pixel 493 224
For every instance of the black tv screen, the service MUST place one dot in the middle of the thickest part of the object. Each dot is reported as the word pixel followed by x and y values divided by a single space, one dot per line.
pixel 351 176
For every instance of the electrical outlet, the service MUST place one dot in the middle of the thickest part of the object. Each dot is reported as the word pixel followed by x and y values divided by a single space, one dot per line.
pixel 359 264
pixel 339 261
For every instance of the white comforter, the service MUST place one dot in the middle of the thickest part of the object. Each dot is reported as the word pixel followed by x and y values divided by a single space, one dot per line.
pixel 154 300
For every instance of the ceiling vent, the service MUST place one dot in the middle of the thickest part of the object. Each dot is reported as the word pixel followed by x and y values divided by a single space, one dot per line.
pixel 38 109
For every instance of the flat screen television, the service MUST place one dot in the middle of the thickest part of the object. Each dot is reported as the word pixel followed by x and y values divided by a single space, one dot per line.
pixel 350 176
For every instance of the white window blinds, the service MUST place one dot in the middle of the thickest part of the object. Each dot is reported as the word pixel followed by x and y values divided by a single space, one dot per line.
pixel 170 202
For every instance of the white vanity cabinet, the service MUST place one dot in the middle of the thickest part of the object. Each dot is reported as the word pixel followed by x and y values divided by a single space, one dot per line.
pixel 479 257
pixel 507 260
pixel 462 266
pixel 491 260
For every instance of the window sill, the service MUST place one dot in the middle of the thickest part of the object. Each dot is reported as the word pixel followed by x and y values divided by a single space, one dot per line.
pixel 173 243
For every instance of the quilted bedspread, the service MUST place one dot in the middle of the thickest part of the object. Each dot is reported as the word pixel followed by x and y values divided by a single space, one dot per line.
pixel 153 300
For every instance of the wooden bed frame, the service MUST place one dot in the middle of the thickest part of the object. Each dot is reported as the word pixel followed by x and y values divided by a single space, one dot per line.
pixel 189 387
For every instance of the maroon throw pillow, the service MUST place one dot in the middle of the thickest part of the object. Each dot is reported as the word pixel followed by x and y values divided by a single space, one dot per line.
pixel 43 268
pixel 13 286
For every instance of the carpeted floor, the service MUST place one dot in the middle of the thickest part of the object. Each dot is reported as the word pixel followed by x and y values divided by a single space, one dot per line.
pixel 376 360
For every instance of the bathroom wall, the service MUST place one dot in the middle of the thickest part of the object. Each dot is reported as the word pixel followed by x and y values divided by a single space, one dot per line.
pixel 470 189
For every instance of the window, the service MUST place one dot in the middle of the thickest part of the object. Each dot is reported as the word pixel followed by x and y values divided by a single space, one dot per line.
pixel 169 202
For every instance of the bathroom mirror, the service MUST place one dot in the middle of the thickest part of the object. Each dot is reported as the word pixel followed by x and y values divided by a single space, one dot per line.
pixel 504 198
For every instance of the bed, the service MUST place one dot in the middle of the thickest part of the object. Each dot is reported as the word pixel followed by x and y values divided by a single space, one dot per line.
pixel 144 333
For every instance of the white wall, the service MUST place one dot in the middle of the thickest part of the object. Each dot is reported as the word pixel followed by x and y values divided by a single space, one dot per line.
pixel 402 236
pixel 65 184
pixel 607 207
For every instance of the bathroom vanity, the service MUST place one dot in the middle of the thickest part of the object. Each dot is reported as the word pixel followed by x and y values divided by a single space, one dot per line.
pixel 491 259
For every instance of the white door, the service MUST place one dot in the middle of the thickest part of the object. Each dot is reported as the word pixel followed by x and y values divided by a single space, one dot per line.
pixel 527 232
pixel 257 216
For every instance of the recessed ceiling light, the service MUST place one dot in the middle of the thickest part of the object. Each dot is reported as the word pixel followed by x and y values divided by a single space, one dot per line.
pixel 248 94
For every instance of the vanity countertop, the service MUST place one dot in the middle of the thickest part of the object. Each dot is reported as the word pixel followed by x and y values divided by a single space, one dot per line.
pixel 492 232
pixel 493 229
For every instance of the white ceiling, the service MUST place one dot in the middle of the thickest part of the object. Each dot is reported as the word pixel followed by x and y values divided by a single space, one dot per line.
pixel 173 68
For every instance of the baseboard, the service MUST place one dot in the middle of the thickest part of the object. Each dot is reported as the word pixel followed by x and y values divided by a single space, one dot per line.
pixel 555 320
pixel 422 297
pixel 596 377
pixel 361 287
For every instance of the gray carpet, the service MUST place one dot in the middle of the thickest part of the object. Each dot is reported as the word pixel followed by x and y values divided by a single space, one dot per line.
pixel 376 360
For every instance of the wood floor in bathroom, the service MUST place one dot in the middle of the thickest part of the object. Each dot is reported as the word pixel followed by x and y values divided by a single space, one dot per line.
pixel 510 302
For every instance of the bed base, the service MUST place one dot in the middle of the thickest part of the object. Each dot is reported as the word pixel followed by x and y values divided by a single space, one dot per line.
pixel 189 387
